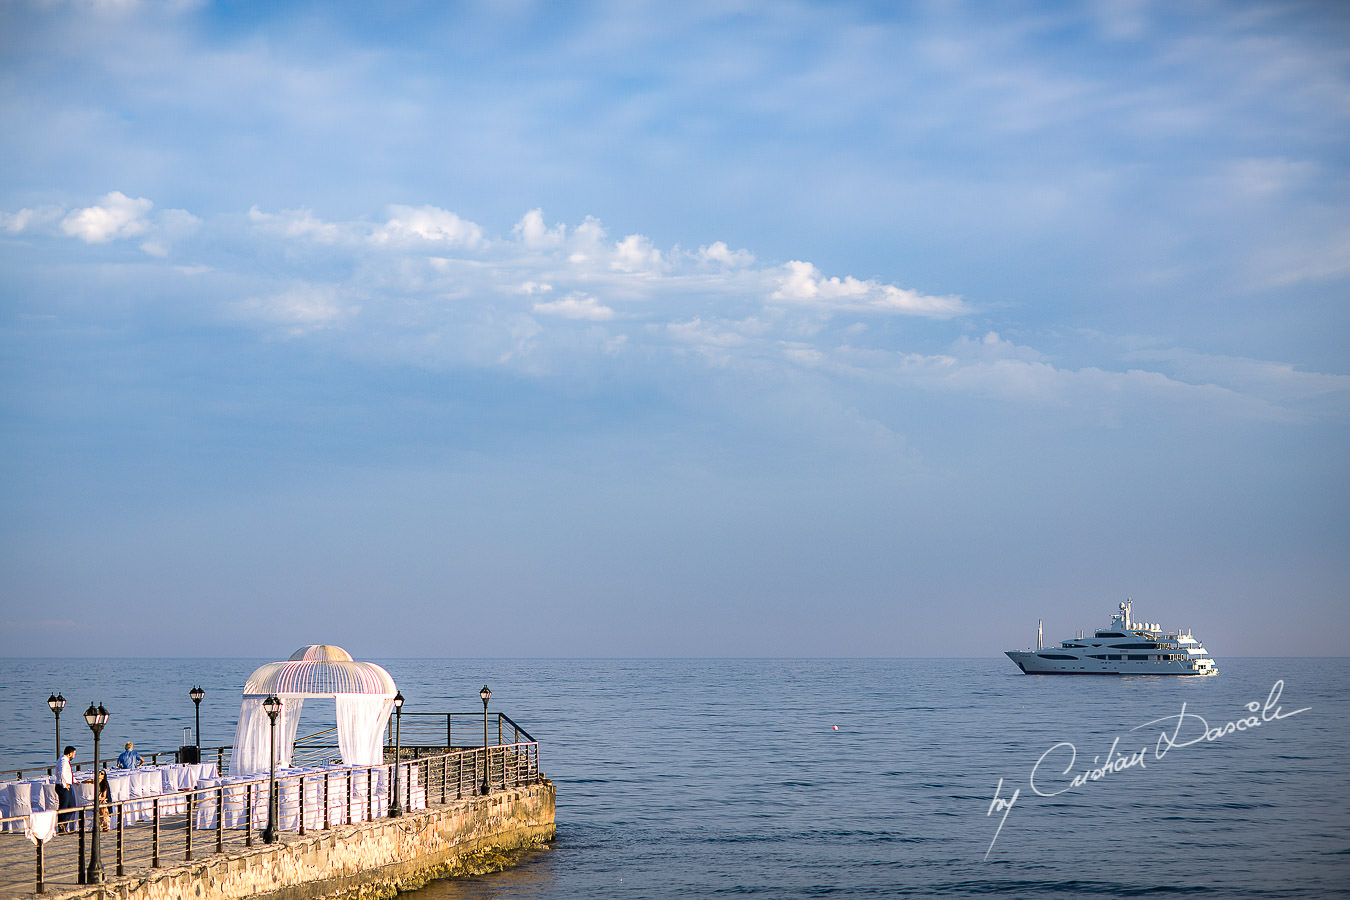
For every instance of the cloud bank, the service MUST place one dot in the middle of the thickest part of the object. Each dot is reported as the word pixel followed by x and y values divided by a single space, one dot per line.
pixel 423 286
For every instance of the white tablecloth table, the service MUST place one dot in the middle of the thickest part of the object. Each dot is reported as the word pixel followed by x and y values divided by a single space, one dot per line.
pixel 347 789
pixel 25 797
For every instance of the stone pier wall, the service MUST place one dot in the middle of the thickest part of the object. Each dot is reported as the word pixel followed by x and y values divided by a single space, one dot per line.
pixel 368 860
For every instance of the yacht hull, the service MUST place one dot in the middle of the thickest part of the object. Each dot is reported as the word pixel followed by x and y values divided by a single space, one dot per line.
pixel 1033 662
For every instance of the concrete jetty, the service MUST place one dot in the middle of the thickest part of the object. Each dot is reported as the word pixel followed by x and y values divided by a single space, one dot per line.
pixel 392 805
pixel 369 859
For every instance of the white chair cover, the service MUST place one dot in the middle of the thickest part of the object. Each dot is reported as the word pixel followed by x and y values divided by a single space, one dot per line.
pixel 144 783
pixel 21 799
pixel 337 796
pixel 207 807
pixel 236 801
pixel 171 802
pixel 119 786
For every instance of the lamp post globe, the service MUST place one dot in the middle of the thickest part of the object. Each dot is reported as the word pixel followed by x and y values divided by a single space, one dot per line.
pixel 197 694
pixel 56 703
pixel 486 787
pixel 272 706
pixel 95 718
pixel 395 803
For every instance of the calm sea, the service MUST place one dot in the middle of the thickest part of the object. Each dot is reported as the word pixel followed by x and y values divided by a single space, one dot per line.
pixel 848 778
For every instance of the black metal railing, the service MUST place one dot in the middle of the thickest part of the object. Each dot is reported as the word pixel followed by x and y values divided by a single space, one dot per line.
pixel 454 730
pixel 219 755
pixel 140 834
pixel 422 731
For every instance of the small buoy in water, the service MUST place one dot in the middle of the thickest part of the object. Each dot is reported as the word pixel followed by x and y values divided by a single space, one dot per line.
pixel 836 728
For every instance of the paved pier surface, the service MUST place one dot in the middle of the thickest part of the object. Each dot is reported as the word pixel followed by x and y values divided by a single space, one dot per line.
pixel 367 859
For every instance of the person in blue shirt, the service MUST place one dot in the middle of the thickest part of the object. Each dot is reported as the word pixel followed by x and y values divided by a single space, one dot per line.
pixel 129 759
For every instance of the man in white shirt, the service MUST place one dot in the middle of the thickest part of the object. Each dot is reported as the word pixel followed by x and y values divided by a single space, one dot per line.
pixel 65 783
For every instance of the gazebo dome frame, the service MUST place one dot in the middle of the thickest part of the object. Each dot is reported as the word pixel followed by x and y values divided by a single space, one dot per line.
pixel 363 693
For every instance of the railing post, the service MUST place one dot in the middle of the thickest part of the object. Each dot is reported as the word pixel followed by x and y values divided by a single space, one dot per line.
pixel 122 836
pixel 370 794
pixel 187 850
pixel 41 887
pixel 220 818
pixel 327 824
pixel 449 744
pixel 248 815
pixel 81 879
pixel 302 806
pixel 154 836
pixel 349 796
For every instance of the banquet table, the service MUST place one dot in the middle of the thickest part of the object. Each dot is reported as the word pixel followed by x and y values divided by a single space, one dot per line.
pixel 25 797
pixel 354 794
pixel 137 788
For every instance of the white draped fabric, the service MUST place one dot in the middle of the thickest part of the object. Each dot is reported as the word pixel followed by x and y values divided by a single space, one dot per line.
pixel 252 737
pixel 361 720
pixel 40 827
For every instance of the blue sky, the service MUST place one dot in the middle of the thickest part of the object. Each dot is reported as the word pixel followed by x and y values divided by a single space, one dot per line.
pixel 700 329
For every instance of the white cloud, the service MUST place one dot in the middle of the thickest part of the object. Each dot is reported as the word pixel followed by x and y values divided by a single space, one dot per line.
pixel 170 226
pixel 532 232
pixel 428 223
pixel 587 241
pixel 718 252
pixel 40 219
pixel 992 347
pixel 118 216
pixel 696 331
pixel 576 306
pixel 636 254
pixel 298 309
pixel 1275 382
pixel 296 223
pixel 463 305
pixel 801 283
pixel 115 217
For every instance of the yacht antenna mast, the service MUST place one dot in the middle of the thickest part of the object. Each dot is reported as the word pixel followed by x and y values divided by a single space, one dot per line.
pixel 1038 634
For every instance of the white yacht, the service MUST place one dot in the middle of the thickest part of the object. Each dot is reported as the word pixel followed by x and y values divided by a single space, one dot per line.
pixel 1125 647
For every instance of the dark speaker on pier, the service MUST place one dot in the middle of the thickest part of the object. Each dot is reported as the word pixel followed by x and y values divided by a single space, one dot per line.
pixel 189 754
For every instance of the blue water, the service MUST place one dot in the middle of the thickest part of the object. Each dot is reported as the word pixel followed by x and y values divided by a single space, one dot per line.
pixel 709 777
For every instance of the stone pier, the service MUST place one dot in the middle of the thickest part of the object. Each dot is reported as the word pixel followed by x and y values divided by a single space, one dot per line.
pixel 352 862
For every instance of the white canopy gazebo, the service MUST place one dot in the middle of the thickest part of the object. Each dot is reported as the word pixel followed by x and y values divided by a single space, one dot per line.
pixel 362 691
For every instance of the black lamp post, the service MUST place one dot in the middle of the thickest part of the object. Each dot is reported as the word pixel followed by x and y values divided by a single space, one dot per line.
pixel 197 694
pixel 272 706
pixel 56 703
pixel 486 787
pixel 395 805
pixel 96 718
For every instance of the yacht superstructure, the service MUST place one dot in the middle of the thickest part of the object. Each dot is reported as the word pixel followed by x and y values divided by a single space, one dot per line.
pixel 1124 647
